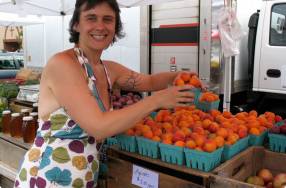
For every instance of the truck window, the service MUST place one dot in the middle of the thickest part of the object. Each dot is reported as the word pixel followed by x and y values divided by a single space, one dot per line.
pixel 278 25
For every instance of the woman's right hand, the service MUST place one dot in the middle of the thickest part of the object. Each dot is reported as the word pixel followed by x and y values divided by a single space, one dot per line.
pixel 173 96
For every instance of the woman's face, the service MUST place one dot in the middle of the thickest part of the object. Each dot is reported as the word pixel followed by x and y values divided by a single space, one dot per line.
pixel 96 27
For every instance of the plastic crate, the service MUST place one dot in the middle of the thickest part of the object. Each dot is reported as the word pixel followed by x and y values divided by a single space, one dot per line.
pixel 172 154
pixel 111 141
pixel 148 147
pixel 203 160
pixel 277 142
pixel 207 106
pixel 230 151
pixel 127 143
pixel 257 140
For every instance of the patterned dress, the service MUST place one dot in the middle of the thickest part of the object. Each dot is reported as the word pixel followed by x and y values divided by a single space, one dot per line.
pixel 63 155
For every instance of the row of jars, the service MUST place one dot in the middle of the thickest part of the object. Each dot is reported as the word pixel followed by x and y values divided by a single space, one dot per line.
pixel 20 125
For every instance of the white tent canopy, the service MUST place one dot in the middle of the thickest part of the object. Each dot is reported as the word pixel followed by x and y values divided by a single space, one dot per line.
pixel 8 19
pixel 58 7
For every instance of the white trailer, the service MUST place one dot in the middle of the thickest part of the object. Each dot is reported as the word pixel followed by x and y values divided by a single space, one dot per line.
pixel 186 33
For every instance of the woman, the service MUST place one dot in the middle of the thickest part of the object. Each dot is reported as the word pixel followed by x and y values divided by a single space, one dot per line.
pixel 75 105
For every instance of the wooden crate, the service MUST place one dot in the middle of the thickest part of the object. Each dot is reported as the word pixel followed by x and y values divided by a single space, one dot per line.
pixel 169 175
pixel 234 172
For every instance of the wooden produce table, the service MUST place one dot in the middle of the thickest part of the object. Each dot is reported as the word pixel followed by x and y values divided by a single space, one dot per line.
pixel 235 171
pixel 120 166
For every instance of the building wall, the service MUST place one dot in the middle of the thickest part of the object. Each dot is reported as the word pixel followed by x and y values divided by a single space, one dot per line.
pixel 11 34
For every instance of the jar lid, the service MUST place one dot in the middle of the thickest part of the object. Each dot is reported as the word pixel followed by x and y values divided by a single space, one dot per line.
pixel 24 110
pixel 6 112
pixel 33 113
pixel 15 114
pixel 35 104
pixel 27 118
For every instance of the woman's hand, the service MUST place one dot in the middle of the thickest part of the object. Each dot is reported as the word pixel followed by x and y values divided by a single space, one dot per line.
pixel 173 96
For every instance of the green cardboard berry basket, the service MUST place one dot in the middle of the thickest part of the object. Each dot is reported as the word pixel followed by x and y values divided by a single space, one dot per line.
pixel 257 140
pixel 110 141
pixel 172 154
pixel 127 143
pixel 230 151
pixel 277 142
pixel 197 93
pixel 207 106
pixel 203 160
pixel 147 147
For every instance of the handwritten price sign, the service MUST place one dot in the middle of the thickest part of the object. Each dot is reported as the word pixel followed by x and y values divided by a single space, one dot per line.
pixel 144 178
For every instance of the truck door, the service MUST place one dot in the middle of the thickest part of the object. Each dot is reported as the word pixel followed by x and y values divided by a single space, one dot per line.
pixel 270 52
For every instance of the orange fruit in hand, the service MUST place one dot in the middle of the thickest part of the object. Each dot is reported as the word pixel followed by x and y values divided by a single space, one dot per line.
pixel 185 76
pixel 195 81
pixel 179 82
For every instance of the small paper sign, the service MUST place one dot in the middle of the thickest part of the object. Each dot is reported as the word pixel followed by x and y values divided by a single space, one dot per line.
pixel 144 178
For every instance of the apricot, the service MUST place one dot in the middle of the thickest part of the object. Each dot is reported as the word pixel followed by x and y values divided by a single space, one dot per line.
pixel 186 131
pixel 213 127
pixel 167 136
pixel 242 133
pixel 191 144
pixel 148 134
pixel 222 132
pixel 254 131
pixel 167 141
pixel 209 146
pixel 253 113
pixel 179 136
pixel 156 138
pixel 219 141
pixel 214 113
pixel 194 81
pixel 157 132
pixel 180 143
pixel 130 132
pixel 185 76
pixel 199 130
pixel 227 114
pixel 199 148
pixel 179 82
pixel 183 124
pixel 199 140
pixel 206 123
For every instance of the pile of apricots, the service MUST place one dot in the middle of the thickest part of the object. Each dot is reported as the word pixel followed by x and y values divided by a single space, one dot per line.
pixel 192 128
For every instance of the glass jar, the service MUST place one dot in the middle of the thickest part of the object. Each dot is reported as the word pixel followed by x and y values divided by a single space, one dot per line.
pixel 6 118
pixel 25 112
pixel 35 118
pixel 35 107
pixel 16 125
pixel 28 129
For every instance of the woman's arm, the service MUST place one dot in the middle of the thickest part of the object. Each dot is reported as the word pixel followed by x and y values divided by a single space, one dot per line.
pixel 130 80
pixel 67 83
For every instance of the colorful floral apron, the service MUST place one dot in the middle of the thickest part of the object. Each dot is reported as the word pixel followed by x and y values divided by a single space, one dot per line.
pixel 63 155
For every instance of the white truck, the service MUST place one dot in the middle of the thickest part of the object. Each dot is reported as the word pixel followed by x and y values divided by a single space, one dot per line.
pixel 183 35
